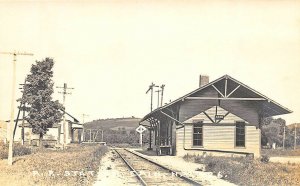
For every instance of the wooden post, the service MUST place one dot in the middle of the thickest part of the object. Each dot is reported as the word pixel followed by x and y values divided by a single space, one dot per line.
pixel 162 94
pixel 155 134
pixel 158 91
pixel 59 133
pixel 22 132
pixel 64 119
pixel 82 134
pixel 150 139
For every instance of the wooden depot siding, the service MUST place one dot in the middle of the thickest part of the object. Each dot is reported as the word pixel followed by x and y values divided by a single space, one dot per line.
pixel 221 138
pixel 217 136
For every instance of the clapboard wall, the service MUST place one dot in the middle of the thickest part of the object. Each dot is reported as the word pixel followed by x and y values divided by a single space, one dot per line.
pixel 217 136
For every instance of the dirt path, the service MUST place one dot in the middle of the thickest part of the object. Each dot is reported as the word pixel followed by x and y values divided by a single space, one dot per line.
pixel 286 159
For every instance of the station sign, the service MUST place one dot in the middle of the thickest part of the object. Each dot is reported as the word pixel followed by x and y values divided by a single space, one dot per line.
pixel 219 117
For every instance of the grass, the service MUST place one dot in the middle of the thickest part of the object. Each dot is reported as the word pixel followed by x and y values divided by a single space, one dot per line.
pixel 77 165
pixel 280 152
pixel 246 171
pixel 19 150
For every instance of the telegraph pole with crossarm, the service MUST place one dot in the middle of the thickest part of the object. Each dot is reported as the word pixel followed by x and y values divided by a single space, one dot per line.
pixel 11 125
pixel 65 88
pixel 162 94
pixel 83 135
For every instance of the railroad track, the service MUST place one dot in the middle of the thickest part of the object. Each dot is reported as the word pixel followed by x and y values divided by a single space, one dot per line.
pixel 149 172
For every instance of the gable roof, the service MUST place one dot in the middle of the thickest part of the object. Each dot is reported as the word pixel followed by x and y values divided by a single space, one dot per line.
pixel 273 107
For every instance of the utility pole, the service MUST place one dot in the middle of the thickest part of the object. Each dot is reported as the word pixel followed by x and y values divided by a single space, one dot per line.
pixel 65 88
pixel 162 94
pixel 82 135
pixel 10 126
pixel 158 91
pixel 151 88
pixel 22 106
pixel 84 116
pixel 150 130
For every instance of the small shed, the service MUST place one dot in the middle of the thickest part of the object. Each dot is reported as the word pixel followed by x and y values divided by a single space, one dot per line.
pixel 222 117
pixel 54 134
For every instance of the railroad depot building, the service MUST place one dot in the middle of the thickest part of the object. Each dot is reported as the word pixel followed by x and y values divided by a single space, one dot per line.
pixel 222 117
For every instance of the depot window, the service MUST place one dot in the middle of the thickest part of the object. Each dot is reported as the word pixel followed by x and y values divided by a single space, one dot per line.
pixel 240 134
pixel 198 134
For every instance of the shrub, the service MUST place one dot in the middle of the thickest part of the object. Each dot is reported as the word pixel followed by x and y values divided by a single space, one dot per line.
pixel 264 159
pixel 247 171
pixel 3 150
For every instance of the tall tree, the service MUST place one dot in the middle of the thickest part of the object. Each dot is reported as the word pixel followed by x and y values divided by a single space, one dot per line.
pixel 43 112
pixel 272 132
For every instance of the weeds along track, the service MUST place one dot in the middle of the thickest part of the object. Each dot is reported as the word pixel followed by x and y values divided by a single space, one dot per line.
pixel 151 173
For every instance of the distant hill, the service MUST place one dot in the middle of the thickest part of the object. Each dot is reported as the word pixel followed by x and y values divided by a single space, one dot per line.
pixel 292 126
pixel 113 124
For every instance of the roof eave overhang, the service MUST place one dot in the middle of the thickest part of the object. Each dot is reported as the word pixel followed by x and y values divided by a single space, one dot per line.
pixel 277 109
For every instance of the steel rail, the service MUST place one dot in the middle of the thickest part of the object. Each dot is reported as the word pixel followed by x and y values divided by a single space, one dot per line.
pixel 166 168
pixel 132 169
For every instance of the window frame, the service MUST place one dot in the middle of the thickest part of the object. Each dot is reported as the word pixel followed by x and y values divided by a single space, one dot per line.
pixel 200 126
pixel 239 125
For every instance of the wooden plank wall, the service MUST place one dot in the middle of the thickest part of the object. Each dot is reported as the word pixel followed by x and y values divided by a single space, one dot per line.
pixel 218 138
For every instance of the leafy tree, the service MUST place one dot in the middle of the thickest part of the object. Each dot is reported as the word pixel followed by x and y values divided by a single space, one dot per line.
pixel 42 111
pixel 267 121
pixel 272 132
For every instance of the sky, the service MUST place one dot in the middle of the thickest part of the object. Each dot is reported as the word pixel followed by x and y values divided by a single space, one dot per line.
pixel 111 51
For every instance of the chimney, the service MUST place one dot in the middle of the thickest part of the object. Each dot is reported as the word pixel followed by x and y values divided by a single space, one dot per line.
pixel 204 79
